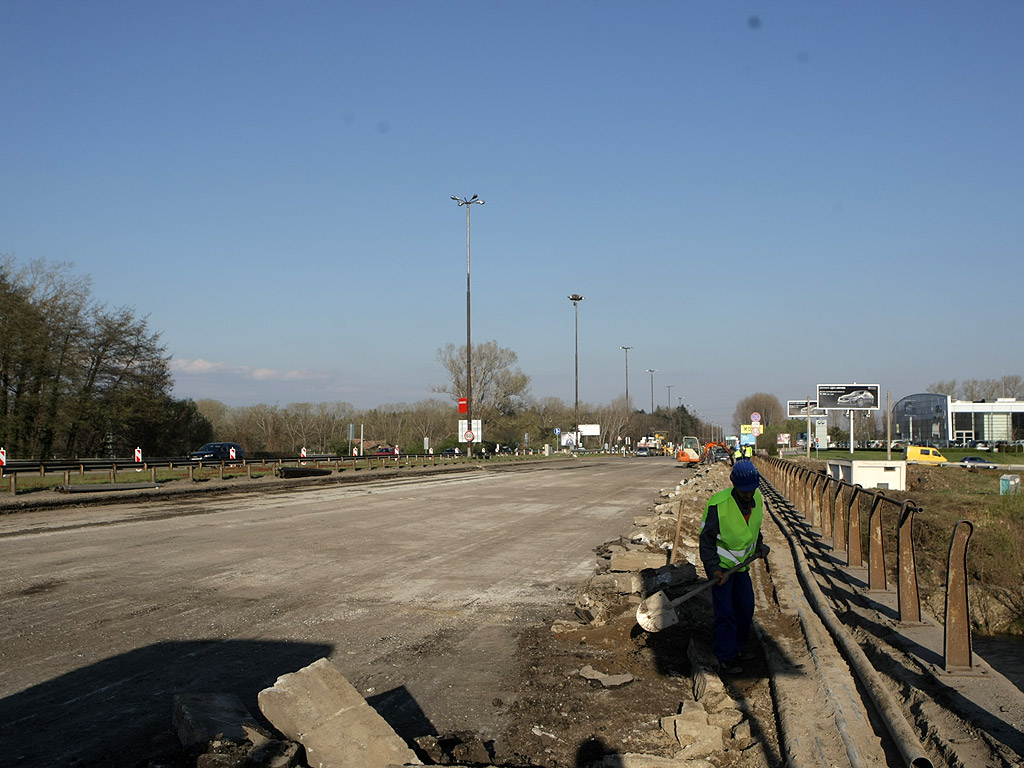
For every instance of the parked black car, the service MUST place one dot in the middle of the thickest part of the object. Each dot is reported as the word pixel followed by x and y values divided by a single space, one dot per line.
pixel 218 452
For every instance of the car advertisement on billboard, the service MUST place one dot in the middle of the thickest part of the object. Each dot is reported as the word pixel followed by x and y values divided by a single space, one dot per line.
pixel 797 409
pixel 846 397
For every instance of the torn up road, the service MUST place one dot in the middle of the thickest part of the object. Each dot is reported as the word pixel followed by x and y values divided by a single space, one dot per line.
pixel 473 614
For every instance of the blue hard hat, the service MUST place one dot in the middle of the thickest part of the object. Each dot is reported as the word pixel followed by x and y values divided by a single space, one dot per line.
pixel 744 476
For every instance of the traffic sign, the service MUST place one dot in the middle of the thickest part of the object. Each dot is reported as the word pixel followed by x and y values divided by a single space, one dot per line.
pixel 755 430
pixel 755 416
pixel 468 437
pixel 3 457
pixel 138 454
pixel 558 431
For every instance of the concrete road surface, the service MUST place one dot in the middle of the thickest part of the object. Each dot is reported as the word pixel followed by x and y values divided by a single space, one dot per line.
pixel 414 588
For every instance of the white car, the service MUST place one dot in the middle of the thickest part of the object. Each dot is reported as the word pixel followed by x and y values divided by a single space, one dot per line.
pixel 859 398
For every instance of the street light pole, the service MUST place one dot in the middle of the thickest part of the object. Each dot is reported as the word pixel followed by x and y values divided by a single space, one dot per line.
pixel 576 299
pixel 469 340
pixel 626 350
pixel 652 371
pixel 669 386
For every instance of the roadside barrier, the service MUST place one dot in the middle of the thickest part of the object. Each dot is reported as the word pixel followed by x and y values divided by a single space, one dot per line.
pixel 837 509
pixel 182 468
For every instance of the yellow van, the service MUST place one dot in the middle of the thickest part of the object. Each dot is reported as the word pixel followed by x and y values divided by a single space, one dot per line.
pixel 925 455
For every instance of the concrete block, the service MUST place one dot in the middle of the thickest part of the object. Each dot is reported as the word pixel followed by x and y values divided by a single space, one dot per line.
pixel 636 561
pixel 726 719
pixel 636 760
pixel 698 740
pixel 201 717
pixel 320 709
pixel 622 583
pixel 651 580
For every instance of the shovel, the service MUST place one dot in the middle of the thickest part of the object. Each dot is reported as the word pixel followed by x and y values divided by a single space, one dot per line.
pixel 657 612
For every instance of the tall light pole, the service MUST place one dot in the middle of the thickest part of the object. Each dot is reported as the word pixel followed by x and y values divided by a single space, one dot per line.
pixel 576 299
pixel 669 387
pixel 652 371
pixel 469 340
pixel 626 350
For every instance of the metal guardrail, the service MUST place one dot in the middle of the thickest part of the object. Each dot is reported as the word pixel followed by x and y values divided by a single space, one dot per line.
pixel 834 506
pixel 245 467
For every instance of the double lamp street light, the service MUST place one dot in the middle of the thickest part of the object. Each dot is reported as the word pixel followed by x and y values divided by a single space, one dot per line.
pixel 474 200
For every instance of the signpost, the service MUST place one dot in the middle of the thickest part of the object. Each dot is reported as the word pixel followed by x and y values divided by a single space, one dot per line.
pixel 470 433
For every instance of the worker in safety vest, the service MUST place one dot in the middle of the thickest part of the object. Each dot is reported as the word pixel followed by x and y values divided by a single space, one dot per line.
pixel 748 451
pixel 737 453
pixel 730 532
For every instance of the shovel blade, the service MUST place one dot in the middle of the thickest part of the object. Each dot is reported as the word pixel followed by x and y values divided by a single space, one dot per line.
pixel 656 613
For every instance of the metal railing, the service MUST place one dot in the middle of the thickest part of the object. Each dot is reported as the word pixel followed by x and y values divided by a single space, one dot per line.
pixel 114 470
pixel 837 508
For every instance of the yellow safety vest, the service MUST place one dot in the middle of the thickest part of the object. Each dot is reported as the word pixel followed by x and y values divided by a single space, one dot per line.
pixel 737 538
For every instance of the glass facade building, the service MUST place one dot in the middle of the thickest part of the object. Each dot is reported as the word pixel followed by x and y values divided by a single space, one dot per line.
pixel 930 419
pixel 922 419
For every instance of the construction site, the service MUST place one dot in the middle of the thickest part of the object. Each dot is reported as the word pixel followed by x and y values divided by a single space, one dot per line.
pixel 555 670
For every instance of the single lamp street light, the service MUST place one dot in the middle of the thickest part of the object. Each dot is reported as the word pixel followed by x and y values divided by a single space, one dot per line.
pixel 652 371
pixel 576 299
pixel 626 350
pixel 469 340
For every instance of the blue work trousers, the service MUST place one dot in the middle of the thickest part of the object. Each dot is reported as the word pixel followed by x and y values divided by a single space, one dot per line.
pixel 734 612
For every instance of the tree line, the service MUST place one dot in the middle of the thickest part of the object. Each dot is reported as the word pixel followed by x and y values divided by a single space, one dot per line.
pixel 528 424
pixel 80 379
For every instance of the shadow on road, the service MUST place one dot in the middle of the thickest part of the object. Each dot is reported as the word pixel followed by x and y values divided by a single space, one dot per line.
pixel 117 712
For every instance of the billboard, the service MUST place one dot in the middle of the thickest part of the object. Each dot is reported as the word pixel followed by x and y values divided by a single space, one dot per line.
pixel 797 409
pixel 845 397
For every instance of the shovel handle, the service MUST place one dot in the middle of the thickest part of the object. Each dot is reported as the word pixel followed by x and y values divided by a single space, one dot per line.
pixel 711 582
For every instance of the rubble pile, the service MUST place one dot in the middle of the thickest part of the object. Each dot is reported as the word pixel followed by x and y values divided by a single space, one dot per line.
pixel 323 720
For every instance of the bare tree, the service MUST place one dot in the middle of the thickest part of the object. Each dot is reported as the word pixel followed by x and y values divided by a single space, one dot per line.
pixel 498 387
pixel 767 405
pixel 433 419
pixel 944 388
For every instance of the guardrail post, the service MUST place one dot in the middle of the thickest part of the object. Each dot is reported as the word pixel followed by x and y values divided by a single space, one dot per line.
pixel 854 554
pixel 876 555
pixel 152 474
pixel 956 643
pixel 113 474
pixel 814 508
pixel 220 471
pixel 906 586
pixel 248 471
pixel 828 521
pixel 14 484
pixel 839 523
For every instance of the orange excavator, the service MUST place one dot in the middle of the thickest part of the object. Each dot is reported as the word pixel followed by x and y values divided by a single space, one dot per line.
pixel 689 451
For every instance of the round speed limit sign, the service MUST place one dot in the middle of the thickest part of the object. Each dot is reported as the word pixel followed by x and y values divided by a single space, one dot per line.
pixel 469 436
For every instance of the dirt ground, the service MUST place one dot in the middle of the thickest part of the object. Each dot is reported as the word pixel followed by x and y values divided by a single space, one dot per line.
pixel 563 719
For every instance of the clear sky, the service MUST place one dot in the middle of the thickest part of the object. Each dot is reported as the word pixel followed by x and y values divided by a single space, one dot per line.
pixel 754 196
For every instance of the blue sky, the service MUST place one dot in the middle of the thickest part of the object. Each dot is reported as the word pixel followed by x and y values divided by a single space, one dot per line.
pixel 754 196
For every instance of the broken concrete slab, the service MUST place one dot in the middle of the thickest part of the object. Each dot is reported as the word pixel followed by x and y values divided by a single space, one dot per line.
pixel 619 582
pixel 608 681
pixel 650 580
pixel 636 561
pixel 636 760
pixel 697 739
pixel 317 707
pixel 202 717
